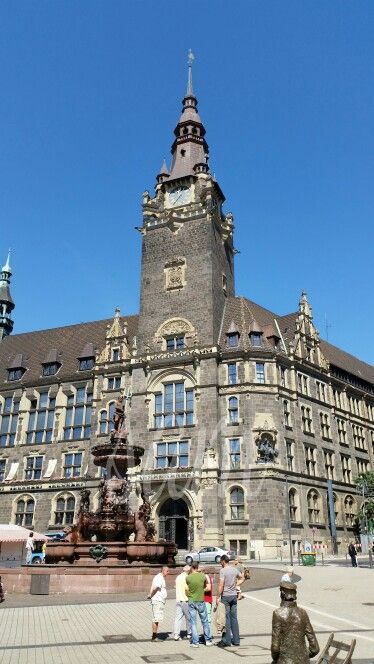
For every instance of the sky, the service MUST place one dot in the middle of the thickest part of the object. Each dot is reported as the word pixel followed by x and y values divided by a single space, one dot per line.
pixel 90 94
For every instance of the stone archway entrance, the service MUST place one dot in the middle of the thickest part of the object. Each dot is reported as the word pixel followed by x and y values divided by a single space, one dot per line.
pixel 173 521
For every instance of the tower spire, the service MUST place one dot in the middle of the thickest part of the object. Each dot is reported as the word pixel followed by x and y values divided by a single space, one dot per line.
pixel 190 60
pixel 6 301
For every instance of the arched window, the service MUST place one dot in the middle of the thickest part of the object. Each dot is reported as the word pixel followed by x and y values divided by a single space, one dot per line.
pixel 350 511
pixel 314 506
pixel 293 501
pixel 64 512
pixel 233 409
pixel 236 503
pixel 25 508
pixel 106 418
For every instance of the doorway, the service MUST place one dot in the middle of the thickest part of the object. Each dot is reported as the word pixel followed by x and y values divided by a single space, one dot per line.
pixel 173 522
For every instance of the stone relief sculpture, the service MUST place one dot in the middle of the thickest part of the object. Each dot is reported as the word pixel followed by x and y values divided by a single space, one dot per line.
pixel 266 450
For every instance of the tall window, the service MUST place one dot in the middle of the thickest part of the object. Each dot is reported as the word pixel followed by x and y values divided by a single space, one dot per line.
pixel 9 421
pixel 337 398
pixel 260 372
pixel 286 413
pixel 239 547
pixel 233 339
pixel 234 452
pixel 306 419
pixel 293 501
pixel 311 460
pixel 175 343
pixel 41 419
pixel 114 382
pixel 354 405
pixel 290 454
pixel 346 468
pixel 172 455
pixel 34 468
pixel 283 376
pixel 302 383
pixel 64 512
pixel 72 465
pixel 325 425
pixel 236 503
pixel 362 466
pixel 359 437
pixel 233 410
pixel 342 431
pixel 329 464
pixel 314 506
pixel 321 390
pixel 2 469
pixel 174 407
pixel 232 373
pixel 106 417
pixel 115 355
pixel 350 511
pixel 78 415
pixel 25 512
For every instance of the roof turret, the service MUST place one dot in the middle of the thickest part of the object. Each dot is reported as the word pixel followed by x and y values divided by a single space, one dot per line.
pixel 6 301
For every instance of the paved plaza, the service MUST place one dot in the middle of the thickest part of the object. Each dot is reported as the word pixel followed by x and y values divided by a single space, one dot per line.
pixel 58 630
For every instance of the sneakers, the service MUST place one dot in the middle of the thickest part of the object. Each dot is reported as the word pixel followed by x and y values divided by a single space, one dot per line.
pixel 208 643
pixel 194 645
pixel 154 637
pixel 222 644
pixel 177 638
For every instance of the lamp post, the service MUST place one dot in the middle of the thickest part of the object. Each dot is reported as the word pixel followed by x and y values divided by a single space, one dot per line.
pixel 289 522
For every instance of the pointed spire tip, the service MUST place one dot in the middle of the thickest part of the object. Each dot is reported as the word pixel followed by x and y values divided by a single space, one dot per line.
pixel 6 267
pixel 190 60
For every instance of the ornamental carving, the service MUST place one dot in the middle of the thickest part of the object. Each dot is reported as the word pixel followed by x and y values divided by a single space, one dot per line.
pixel 175 274
pixel 174 326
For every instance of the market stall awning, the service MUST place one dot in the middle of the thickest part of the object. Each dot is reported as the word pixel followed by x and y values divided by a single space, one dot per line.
pixel 11 533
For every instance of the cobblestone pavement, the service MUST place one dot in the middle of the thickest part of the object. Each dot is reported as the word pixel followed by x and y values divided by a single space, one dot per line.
pixel 337 598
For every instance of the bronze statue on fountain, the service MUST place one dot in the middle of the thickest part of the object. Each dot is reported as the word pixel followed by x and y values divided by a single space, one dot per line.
pixel 105 535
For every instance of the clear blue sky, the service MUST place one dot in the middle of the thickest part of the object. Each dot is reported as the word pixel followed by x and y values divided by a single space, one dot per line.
pixel 90 94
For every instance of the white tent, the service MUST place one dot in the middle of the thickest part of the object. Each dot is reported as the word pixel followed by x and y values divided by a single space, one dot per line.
pixel 12 543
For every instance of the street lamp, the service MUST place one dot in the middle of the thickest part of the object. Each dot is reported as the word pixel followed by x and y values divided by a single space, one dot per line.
pixel 289 522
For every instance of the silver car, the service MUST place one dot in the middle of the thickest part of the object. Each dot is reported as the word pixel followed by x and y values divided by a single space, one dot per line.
pixel 208 554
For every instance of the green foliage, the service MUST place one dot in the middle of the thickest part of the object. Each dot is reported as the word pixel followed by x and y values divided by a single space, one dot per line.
pixel 366 481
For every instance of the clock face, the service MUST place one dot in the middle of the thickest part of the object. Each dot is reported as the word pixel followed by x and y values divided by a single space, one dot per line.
pixel 179 196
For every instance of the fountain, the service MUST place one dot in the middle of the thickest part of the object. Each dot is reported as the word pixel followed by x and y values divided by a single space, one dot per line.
pixel 114 535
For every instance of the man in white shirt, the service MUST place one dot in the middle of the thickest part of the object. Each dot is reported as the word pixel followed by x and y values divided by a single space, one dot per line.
pixel 289 576
pixel 158 595
pixel 29 548
pixel 181 607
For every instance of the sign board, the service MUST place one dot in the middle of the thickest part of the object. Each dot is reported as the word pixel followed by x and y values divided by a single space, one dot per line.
pixel 308 547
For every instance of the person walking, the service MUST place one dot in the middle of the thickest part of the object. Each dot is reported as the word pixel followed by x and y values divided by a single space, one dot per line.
pixel 352 552
pixel 181 607
pixel 44 551
pixel 196 583
pixel 29 548
pixel 229 579
pixel 158 595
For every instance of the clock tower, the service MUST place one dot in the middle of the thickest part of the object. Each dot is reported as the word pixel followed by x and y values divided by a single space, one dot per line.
pixel 187 241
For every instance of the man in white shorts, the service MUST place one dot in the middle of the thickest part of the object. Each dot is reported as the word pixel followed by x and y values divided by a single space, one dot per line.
pixel 158 595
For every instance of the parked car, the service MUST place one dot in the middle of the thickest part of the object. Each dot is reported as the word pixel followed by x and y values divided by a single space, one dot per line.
pixel 208 554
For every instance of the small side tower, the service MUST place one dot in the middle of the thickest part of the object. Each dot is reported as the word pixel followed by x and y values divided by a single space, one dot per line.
pixel 6 301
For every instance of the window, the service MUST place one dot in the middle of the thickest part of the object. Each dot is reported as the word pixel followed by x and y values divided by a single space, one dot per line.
pixel 72 465
pixel 236 503
pixel 310 460
pixel 115 355
pixel 2 469
pixel 174 407
pixel 325 425
pixel 321 391
pixel 34 467
pixel 256 339
pixel 50 368
pixel 224 284
pixel 106 417
pixel 175 343
pixel 354 405
pixel 302 383
pixel 234 452
pixel 239 547
pixel 233 410
pixel 350 511
pixel 260 372
pixel 370 409
pixel 41 419
pixel 359 437
pixel 329 464
pixel 290 454
pixel 306 419
pixel 337 398
pixel 232 373
pixel 286 413
pixel 233 339
pixel 114 382
pixel 15 374
pixel 78 415
pixel 25 512
pixel 314 506
pixel 172 455
pixel 65 508
pixel 362 466
pixel 346 468
pixel 86 363
pixel 342 431
pixel 9 421
pixel 283 376
pixel 293 501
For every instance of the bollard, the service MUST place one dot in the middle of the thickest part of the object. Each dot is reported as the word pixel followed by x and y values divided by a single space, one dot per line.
pixel 323 560
pixel 259 559
pixel 346 558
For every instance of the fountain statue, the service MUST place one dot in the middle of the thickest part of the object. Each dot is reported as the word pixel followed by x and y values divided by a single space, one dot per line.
pixel 114 534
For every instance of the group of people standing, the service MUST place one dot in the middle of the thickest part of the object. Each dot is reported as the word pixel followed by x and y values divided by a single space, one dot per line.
pixel 194 597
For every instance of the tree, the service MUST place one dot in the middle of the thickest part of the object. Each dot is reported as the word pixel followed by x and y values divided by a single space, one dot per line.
pixel 365 483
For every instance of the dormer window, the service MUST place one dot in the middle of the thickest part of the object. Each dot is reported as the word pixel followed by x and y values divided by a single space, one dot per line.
pixel 15 374
pixel 86 358
pixel 233 339
pixel 116 356
pixel 175 343
pixel 16 369
pixel 50 369
pixel 256 339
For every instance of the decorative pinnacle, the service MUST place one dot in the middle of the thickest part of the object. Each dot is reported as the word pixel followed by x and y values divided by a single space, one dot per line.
pixel 190 60
pixel 7 267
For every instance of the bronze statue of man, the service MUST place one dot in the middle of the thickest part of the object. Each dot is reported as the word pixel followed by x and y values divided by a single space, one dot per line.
pixel 291 629
pixel 119 413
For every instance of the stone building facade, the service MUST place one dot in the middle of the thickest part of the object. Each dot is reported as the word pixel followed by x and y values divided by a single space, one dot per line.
pixel 244 414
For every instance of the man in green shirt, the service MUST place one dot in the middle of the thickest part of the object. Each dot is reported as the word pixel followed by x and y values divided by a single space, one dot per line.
pixel 195 582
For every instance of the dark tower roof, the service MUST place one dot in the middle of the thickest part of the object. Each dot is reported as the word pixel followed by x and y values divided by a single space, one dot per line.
pixel 6 300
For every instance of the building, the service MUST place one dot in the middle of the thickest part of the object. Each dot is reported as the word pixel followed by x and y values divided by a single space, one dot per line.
pixel 244 414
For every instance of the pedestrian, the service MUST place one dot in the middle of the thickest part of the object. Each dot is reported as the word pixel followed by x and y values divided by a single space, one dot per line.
pixel 208 597
pixel 181 606
pixel 352 552
pixel 196 583
pixel 158 595
pixel 2 593
pixel 237 564
pixel 29 548
pixel 288 576
pixel 229 578
pixel 44 550
pixel 290 630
